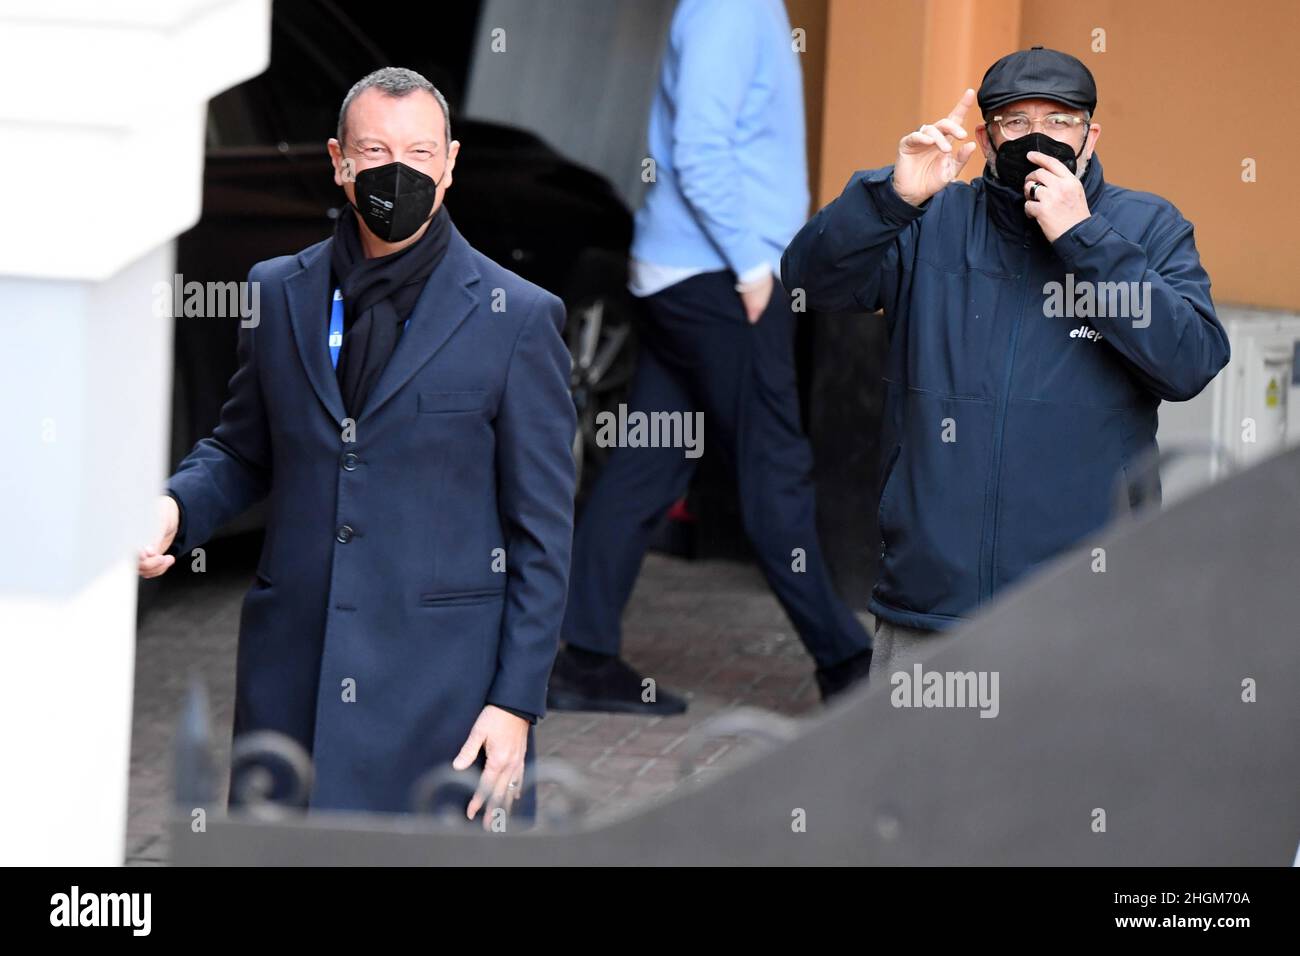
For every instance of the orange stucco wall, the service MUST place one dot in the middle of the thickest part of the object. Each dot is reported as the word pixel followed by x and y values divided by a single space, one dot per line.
pixel 1188 91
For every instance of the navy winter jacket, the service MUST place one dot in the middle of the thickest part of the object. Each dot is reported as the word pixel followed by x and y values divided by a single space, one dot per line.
pixel 1011 413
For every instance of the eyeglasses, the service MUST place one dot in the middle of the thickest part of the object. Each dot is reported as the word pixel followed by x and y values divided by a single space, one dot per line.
pixel 1055 125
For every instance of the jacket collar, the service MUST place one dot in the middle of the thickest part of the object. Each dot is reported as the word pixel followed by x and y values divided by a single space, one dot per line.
pixel 443 305
pixel 1006 206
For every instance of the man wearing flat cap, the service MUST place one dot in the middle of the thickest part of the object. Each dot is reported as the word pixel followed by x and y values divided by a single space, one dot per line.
pixel 1037 318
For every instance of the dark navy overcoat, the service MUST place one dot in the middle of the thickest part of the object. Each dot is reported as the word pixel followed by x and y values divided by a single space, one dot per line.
pixel 415 561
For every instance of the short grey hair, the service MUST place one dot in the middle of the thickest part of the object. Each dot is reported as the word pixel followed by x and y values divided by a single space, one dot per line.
pixel 394 81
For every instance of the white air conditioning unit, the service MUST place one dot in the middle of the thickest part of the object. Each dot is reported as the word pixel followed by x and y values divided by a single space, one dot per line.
pixel 1243 413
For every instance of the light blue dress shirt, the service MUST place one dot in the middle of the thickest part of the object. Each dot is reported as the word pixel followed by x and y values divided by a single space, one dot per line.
pixel 727 138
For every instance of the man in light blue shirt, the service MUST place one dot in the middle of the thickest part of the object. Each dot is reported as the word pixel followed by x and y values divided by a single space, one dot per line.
pixel 727 139
pixel 729 192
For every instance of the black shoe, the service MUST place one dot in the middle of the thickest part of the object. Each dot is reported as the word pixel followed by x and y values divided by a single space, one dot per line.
pixel 838 678
pixel 584 680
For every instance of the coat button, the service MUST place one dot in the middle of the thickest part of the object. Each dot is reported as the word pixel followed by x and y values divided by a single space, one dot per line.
pixel 344 534
pixel 350 462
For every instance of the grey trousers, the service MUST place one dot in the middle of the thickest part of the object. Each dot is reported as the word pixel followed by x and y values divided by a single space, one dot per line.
pixel 897 648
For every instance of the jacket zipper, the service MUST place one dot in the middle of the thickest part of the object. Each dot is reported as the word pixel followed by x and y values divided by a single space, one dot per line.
pixel 1000 426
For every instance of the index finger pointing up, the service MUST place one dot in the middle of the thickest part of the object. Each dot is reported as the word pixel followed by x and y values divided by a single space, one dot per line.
pixel 966 102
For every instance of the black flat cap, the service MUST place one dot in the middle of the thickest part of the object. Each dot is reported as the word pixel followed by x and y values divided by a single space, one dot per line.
pixel 1037 73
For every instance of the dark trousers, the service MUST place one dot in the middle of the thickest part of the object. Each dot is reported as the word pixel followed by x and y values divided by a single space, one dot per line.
pixel 698 353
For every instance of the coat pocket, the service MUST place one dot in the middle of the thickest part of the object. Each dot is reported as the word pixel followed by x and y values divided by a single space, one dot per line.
pixel 480 596
pixel 465 401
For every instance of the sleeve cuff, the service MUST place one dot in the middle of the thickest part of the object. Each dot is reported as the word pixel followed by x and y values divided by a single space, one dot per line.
pixel 1080 237
pixel 893 207
pixel 742 256
pixel 754 274
pixel 180 524
pixel 521 714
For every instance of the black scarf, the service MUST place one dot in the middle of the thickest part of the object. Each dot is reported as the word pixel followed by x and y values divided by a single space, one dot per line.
pixel 378 296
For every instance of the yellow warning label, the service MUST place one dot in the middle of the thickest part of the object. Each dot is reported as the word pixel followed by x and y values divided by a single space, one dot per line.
pixel 1271 395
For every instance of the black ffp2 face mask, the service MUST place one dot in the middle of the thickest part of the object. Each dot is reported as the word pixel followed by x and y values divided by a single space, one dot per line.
pixel 394 200
pixel 1013 163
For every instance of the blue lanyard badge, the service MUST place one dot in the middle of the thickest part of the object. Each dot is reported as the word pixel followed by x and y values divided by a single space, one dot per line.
pixel 336 327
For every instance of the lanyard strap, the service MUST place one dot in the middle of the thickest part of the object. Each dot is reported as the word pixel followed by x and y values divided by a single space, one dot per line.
pixel 336 327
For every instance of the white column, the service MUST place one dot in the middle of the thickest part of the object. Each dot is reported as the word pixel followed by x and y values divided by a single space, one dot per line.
pixel 102 115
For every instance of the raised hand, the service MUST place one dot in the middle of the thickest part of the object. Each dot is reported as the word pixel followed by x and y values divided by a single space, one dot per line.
pixel 930 158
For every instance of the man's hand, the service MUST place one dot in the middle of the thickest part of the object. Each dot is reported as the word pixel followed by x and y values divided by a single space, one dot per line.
pixel 1058 201
pixel 506 739
pixel 928 159
pixel 152 561
pixel 755 296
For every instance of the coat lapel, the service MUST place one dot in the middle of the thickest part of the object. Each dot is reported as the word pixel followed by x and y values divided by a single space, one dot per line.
pixel 308 291
pixel 443 305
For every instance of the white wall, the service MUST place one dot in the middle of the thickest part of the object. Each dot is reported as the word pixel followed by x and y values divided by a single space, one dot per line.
pixel 102 104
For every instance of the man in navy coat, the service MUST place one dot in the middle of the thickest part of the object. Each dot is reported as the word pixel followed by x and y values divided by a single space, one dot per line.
pixel 403 403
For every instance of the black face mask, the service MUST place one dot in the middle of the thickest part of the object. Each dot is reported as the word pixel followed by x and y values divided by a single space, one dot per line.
pixel 394 200
pixel 1013 163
